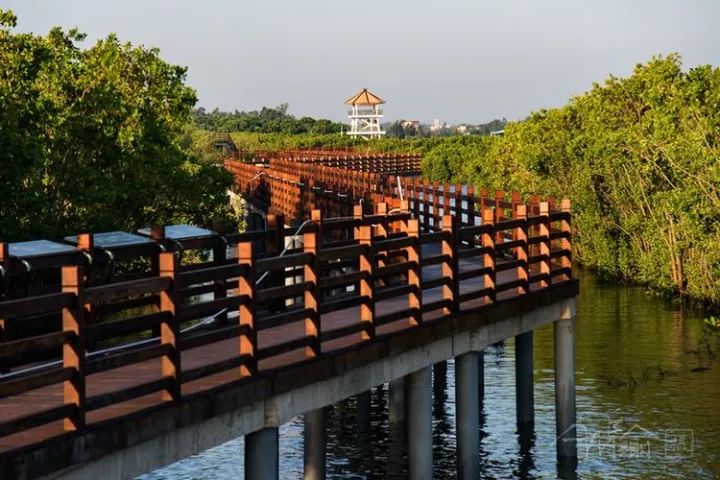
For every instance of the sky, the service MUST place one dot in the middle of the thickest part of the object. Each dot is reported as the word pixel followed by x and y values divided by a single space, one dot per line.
pixel 456 60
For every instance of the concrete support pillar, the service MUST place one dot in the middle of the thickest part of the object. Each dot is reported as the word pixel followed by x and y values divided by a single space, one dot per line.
pixel 315 443
pixel 524 382
pixel 565 420
pixel 419 397
pixel 481 376
pixel 467 415
pixel 363 410
pixel 261 455
pixel 397 432
pixel 397 414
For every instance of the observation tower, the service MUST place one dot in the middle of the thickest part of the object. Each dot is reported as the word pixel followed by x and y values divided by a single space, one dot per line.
pixel 365 115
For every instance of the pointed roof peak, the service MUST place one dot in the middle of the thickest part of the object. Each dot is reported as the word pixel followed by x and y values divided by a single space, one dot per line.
pixel 364 97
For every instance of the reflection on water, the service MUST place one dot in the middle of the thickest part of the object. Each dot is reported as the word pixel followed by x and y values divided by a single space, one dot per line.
pixel 646 403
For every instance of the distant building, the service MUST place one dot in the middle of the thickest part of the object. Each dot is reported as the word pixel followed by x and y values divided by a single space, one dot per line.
pixel 436 125
pixel 365 115
pixel 461 129
pixel 497 133
pixel 410 123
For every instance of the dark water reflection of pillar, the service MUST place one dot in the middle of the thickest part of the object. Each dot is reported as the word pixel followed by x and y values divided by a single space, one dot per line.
pixel 526 439
pixel 363 431
pixel 443 428
pixel 396 467
pixel 567 468
pixel 482 417
pixel 363 412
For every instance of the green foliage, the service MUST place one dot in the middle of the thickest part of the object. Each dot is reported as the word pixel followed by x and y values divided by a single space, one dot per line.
pixel 252 142
pixel 640 159
pixel 449 160
pixel 267 120
pixel 712 323
pixel 92 139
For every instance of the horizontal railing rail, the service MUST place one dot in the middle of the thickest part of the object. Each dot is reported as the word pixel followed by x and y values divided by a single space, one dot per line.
pixel 390 273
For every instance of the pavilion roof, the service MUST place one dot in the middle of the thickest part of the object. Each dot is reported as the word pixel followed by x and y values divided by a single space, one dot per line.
pixel 364 97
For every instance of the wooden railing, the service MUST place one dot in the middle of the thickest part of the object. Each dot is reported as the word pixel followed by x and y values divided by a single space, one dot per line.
pixel 346 263
pixel 385 163
pixel 294 188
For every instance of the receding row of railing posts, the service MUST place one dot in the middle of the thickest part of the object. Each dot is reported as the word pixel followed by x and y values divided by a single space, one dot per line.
pixel 530 239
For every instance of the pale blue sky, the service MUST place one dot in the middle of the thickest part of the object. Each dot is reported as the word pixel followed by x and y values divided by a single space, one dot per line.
pixel 457 60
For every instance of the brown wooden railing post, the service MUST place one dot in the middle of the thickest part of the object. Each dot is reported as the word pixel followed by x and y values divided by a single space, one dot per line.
pixel 414 255
pixel 447 197
pixel 499 214
pixel 435 206
pixel 533 211
pixel 4 291
pixel 521 251
pixel 450 267
pixel 157 233
pixel 426 205
pixel 381 208
pixel 416 198
pixel 74 391
pixel 381 230
pixel 170 326
pixel 515 200
pixel 246 319
pixel 5 264
pixel 470 205
pixel 566 244
pixel 311 273
pixel 488 243
pixel 458 201
pixel 367 284
pixel 544 232
pixel 358 217
pixel 274 246
pixel 220 286
pixel 86 243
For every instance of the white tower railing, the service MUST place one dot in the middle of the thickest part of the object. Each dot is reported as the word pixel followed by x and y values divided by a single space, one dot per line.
pixel 365 121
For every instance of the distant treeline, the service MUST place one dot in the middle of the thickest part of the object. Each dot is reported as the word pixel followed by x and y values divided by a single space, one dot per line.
pixel 266 120
pixel 403 129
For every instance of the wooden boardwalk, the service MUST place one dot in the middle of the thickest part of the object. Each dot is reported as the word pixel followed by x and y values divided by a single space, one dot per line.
pixel 420 261
pixel 127 377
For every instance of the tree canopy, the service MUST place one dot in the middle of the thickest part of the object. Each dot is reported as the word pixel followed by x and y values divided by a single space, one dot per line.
pixel 90 139
pixel 640 159
pixel 267 120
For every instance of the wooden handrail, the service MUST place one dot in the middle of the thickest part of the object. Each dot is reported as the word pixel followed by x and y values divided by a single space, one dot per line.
pixel 383 260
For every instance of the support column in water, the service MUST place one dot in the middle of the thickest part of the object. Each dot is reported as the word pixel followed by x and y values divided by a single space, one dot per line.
pixel 363 411
pixel 397 431
pixel 315 444
pixel 481 376
pixel 565 420
pixel 261 455
pixel 419 408
pixel 524 381
pixel 467 407
pixel 397 414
